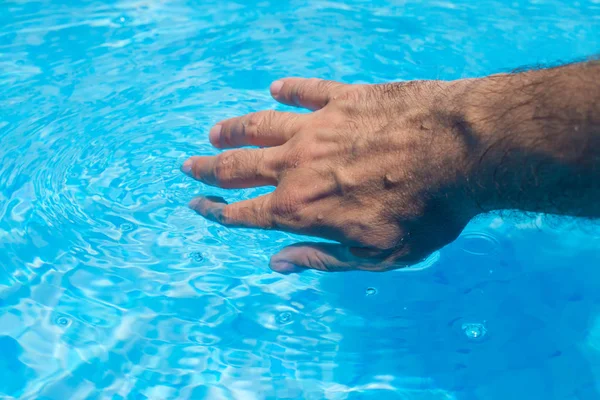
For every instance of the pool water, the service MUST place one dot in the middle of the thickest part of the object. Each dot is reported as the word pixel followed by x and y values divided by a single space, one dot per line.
pixel 111 288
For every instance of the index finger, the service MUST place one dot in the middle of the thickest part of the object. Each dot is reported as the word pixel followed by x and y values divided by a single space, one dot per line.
pixel 311 93
pixel 263 128
pixel 331 258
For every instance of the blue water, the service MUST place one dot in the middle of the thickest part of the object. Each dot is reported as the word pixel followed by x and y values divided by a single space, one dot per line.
pixel 111 288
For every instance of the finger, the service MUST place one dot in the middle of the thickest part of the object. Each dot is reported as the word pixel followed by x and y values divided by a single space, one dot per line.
pixel 313 93
pixel 264 128
pixel 248 213
pixel 327 257
pixel 234 169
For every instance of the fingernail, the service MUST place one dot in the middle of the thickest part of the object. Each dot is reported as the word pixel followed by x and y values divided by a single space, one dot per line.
pixel 284 267
pixel 186 168
pixel 276 88
pixel 214 134
pixel 193 204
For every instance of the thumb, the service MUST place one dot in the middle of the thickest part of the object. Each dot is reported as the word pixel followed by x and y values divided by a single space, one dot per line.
pixel 324 257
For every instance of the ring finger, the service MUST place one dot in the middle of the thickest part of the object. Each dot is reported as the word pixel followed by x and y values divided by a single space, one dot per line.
pixel 263 128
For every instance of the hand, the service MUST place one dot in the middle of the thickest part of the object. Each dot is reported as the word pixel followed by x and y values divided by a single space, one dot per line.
pixel 381 169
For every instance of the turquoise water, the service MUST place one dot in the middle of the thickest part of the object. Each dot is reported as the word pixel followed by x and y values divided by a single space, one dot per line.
pixel 111 288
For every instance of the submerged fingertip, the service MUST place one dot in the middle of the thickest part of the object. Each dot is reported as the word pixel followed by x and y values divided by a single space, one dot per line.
pixel 186 168
pixel 276 88
pixel 285 267
pixel 214 135
pixel 193 204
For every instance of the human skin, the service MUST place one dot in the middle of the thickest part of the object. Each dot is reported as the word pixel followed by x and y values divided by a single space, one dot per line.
pixel 393 172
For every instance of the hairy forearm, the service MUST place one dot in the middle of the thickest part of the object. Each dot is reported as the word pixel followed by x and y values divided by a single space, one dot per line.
pixel 538 135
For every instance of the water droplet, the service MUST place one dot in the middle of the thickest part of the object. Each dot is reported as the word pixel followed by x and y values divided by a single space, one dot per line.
pixel 121 20
pixel 196 256
pixel 479 243
pixel 284 318
pixel 474 330
pixel 63 322
pixel 371 291
pixel 205 339
pixel 126 227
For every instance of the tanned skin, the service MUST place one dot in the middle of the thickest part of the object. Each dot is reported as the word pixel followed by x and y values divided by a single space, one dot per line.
pixel 393 172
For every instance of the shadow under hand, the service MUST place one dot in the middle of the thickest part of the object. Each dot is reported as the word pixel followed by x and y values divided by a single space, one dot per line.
pixel 531 309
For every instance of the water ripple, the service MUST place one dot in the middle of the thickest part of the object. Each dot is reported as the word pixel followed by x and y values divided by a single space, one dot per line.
pixel 479 243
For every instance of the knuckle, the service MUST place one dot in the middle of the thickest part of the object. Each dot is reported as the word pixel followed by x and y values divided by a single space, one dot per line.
pixel 260 215
pixel 352 102
pixel 267 117
pixel 317 262
pixel 329 85
pixel 265 121
pixel 300 94
pixel 226 216
pixel 322 85
pixel 287 206
pixel 254 119
pixel 296 156
pixel 252 125
pixel 289 123
pixel 303 91
pixel 258 123
pixel 359 229
pixel 224 167
pixel 196 173
pixel 350 96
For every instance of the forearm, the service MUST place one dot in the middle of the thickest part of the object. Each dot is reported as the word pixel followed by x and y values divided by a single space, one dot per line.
pixel 538 140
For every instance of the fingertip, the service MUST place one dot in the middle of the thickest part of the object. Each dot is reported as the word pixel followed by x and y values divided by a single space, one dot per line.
pixel 186 168
pixel 276 88
pixel 201 202
pixel 285 267
pixel 194 204
pixel 214 135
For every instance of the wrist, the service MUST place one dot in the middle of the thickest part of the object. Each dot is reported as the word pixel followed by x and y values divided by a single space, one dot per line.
pixel 499 114
pixel 460 142
pixel 532 131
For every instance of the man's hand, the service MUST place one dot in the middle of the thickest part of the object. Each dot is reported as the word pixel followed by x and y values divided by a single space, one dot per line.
pixel 382 169
pixel 393 172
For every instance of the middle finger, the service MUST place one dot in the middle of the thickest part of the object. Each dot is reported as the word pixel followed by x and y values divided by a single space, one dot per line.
pixel 263 128
pixel 235 169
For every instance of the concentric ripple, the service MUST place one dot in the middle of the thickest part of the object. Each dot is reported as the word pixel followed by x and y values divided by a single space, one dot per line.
pixel 479 243
pixel 110 287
